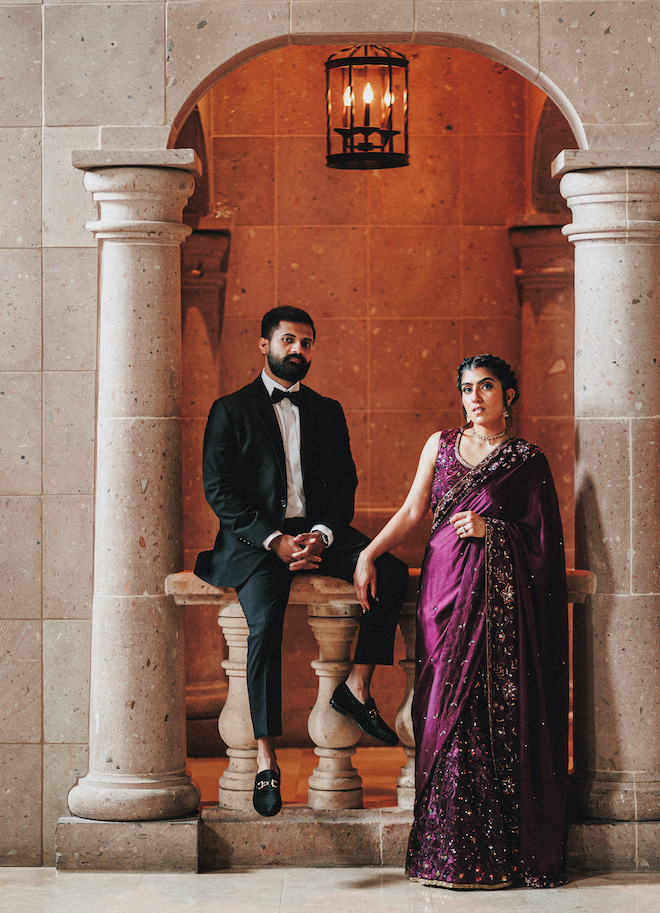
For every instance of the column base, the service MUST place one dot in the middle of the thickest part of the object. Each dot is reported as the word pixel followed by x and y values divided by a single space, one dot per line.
pixel 133 798
pixel 127 846
pixel 613 846
pixel 617 796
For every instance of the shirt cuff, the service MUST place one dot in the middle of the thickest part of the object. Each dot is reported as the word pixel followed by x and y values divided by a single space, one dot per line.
pixel 266 542
pixel 319 527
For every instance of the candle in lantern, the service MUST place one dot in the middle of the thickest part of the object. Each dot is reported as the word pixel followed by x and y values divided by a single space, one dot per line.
pixel 348 103
pixel 367 97
pixel 388 101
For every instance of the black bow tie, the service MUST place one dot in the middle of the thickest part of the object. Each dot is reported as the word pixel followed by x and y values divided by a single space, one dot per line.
pixel 277 395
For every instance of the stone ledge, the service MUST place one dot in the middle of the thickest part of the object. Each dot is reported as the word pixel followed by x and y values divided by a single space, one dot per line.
pixel 301 836
pixel 306 589
pixel 83 845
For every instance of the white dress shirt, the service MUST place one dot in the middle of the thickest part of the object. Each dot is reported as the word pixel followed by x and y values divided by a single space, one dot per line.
pixel 288 418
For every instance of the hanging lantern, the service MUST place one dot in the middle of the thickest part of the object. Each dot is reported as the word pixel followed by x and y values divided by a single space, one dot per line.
pixel 367 99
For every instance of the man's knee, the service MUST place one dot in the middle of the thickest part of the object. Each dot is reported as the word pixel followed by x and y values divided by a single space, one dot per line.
pixel 393 573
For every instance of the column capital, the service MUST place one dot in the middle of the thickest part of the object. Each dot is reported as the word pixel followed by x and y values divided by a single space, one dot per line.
pixel 587 159
pixel 140 204
pixel 615 205
pixel 95 159
pixel 141 193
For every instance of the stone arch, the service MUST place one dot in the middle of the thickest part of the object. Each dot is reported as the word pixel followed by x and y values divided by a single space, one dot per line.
pixel 557 101
pixel 485 49
pixel 195 621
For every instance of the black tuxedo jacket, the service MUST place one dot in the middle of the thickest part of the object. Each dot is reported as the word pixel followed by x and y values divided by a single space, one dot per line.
pixel 245 476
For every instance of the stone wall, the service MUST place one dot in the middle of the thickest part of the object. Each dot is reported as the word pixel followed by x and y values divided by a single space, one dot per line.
pixel 126 76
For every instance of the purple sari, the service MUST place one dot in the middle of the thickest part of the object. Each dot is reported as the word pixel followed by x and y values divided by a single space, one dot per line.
pixel 490 710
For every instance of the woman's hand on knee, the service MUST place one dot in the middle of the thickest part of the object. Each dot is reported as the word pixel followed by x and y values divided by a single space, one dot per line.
pixel 364 580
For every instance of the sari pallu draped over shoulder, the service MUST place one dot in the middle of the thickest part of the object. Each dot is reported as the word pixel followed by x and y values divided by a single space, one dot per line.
pixel 500 604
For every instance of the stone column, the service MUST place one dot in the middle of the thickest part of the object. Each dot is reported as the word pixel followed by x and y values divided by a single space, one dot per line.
pixel 616 232
pixel 137 702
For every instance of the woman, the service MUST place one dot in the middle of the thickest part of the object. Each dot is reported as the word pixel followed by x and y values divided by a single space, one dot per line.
pixel 490 711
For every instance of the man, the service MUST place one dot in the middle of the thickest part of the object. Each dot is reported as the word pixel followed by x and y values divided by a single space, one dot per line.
pixel 279 474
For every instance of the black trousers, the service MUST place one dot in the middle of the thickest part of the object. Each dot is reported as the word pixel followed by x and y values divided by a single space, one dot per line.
pixel 264 596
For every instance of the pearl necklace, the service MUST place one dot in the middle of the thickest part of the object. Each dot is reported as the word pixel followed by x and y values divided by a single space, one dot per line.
pixel 489 437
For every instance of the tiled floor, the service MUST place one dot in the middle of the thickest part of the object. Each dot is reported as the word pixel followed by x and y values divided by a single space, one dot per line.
pixel 318 890
pixel 306 891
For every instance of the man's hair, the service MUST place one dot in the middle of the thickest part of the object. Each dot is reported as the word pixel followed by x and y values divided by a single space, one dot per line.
pixel 273 318
pixel 497 367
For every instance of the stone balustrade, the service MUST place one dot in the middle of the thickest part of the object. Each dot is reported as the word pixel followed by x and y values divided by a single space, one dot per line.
pixel 333 614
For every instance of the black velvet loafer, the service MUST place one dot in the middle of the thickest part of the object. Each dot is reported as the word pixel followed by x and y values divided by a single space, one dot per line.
pixel 266 797
pixel 365 715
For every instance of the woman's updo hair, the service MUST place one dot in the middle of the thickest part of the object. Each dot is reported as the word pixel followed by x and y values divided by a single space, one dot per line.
pixel 495 366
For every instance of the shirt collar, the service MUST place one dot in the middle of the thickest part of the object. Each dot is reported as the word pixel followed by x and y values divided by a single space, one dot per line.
pixel 271 384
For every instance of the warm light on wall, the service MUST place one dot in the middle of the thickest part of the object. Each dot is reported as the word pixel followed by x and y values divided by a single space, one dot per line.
pixel 367 108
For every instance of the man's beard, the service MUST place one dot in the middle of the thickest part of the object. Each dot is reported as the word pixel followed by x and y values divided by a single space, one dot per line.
pixel 286 369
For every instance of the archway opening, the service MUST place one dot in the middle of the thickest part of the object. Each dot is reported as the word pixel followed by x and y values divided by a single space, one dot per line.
pixel 405 272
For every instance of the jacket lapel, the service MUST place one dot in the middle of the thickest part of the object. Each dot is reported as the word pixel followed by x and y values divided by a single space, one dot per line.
pixel 308 436
pixel 266 415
